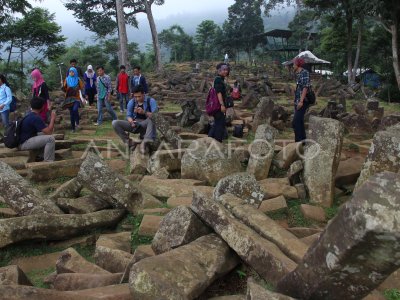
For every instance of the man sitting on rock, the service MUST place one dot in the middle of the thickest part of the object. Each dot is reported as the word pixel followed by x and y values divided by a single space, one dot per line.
pixel 138 119
pixel 35 134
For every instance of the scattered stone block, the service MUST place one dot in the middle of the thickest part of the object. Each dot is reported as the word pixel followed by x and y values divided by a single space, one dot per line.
pixel 358 249
pixel 82 205
pixel 70 189
pixel 45 171
pixel 349 171
pixel 7 213
pixel 39 262
pixel 149 225
pixel 166 188
pixel 273 189
pixel 302 232
pixel 288 155
pixel 179 227
pixel 168 159
pixel 257 292
pixel 13 275
pixel 138 162
pixel 273 204
pixel 313 212
pixel 184 272
pixel 83 281
pixel 178 201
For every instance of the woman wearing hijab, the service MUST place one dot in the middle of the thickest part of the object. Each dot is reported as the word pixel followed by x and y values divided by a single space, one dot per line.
pixel 90 84
pixel 73 87
pixel 40 89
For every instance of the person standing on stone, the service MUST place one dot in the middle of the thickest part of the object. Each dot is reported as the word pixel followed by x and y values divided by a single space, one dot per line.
pixel 34 132
pixel 73 88
pixel 5 100
pixel 138 119
pixel 300 102
pixel 104 89
pixel 90 79
pixel 218 129
pixel 122 84
pixel 138 79
pixel 40 89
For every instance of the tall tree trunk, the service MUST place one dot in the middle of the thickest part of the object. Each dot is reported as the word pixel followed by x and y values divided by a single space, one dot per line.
pixel 154 36
pixel 123 38
pixel 9 54
pixel 395 50
pixel 349 25
pixel 359 42
pixel 21 79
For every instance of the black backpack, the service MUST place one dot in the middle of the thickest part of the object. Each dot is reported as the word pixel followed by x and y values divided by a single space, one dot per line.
pixel 238 131
pixel 12 134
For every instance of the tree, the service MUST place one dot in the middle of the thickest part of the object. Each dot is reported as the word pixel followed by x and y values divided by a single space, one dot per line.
pixel 37 34
pixel 9 7
pixel 207 34
pixel 178 42
pixel 123 38
pixel 104 12
pixel 388 14
pixel 244 25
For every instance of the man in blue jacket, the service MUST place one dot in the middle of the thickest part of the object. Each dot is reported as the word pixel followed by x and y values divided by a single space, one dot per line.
pixel 138 119
pixel 138 79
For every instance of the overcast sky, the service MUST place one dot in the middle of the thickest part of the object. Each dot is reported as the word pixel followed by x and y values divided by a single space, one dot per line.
pixel 169 9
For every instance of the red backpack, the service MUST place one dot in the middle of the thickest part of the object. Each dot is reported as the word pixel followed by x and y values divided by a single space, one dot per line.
pixel 235 93
pixel 212 102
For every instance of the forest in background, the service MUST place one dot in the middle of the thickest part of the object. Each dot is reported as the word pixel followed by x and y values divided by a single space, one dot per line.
pixel 350 34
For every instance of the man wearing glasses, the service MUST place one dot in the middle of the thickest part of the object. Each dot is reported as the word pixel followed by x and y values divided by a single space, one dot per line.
pixel 138 120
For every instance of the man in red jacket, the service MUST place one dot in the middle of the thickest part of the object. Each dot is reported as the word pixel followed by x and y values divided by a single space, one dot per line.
pixel 123 88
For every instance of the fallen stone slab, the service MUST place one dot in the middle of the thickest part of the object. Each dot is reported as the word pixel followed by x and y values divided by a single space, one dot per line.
pixel 39 262
pixel 302 232
pixel 208 160
pixel 168 159
pixel 82 205
pixel 313 212
pixel 384 154
pixel 21 196
pixel 113 251
pixel 83 241
pixel 138 162
pixel 309 240
pixel 178 201
pixel 262 151
pixel 114 188
pixel 54 227
pixel 7 213
pixel 13 275
pixel 16 162
pixel 166 188
pixel 273 189
pixel 149 201
pixel 45 171
pixel 288 155
pixel 273 204
pixel 321 159
pixel 5 152
pixel 262 255
pixel 184 272
pixel 358 249
pixel 179 227
pixel 348 171
pixel 243 186
pixel 141 252
pixel 70 189
pixel 71 261
pixel 82 281
pixel 257 292
pixel 149 225
pixel 20 292
pixel 266 227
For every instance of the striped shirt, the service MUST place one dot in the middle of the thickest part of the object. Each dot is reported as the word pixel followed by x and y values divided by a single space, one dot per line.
pixel 303 80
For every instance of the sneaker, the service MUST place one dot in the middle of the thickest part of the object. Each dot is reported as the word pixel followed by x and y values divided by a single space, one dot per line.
pixel 73 131
pixel 96 124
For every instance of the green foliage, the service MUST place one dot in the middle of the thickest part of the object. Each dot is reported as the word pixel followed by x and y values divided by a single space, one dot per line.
pixel 10 7
pixel 241 274
pixel 37 276
pixel 179 43
pixel 207 35
pixel 392 294
pixel 136 238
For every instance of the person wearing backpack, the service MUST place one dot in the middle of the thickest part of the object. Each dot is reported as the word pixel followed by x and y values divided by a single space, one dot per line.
pixel 34 134
pixel 104 89
pixel 218 129
pixel 300 103
pixel 40 89
pixel 5 100
pixel 138 119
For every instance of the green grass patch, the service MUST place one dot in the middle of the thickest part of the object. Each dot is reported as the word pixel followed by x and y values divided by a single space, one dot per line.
pixel 353 147
pixel 37 277
pixel 392 294
pixel 138 240
pixel 87 252
pixel 295 217
pixel 279 214
pixel 79 147
pixel 3 205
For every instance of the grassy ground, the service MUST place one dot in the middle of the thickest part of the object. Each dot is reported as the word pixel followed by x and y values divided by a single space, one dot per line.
pixel 393 294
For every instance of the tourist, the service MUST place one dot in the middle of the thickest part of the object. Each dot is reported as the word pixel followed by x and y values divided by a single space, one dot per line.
pixel 300 103
pixel 5 100
pixel 90 84
pixel 73 63
pixel 73 88
pixel 104 89
pixel 138 79
pixel 138 119
pixel 122 88
pixel 218 129
pixel 40 89
pixel 35 134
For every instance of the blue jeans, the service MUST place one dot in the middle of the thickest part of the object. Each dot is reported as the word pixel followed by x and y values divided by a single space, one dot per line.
pixel 5 118
pixel 74 114
pixel 121 98
pixel 298 123
pixel 100 103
